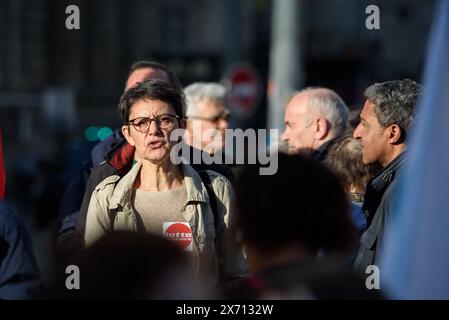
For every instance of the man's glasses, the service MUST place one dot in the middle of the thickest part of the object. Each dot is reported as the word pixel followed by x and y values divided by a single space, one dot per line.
pixel 224 115
pixel 163 121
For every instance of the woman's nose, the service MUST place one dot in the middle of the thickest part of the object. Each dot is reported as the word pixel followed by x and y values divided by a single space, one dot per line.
pixel 153 128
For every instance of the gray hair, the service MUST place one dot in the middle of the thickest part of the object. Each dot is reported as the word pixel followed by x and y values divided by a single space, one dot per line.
pixel 203 91
pixel 327 103
pixel 395 102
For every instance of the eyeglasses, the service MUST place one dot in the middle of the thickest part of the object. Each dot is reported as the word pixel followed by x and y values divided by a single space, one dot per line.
pixel 224 115
pixel 163 121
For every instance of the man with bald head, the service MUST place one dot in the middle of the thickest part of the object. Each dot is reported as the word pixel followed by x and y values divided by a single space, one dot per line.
pixel 314 118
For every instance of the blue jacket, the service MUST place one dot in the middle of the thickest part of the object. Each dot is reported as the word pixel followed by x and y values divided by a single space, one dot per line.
pixel 19 273
pixel 357 217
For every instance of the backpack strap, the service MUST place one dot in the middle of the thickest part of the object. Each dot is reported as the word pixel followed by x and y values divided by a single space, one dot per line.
pixel 212 197
pixel 213 204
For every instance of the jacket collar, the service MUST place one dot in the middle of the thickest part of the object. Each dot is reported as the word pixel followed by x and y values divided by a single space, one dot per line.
pixel 321 153
pixel 122 158
pixel 196 191
pixel 387 174
pixel 378 184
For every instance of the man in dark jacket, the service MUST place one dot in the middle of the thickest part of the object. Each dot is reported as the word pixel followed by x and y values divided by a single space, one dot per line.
pixel 314 118
pixel 384 125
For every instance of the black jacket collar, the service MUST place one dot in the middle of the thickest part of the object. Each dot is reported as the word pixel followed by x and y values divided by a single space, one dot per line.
pixel 321 153
pixel 378 184
pixel 382 179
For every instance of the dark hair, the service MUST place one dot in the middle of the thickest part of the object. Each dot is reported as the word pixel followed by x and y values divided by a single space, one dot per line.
pixel 125 265
pixel 303 203
pixel 354 117
pixel 345 160
pixel 143 64
pixel 153 90
pixel 395 102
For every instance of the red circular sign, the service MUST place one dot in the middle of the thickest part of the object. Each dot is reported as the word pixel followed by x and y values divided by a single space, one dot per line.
pixel 179 233
pixel 244 89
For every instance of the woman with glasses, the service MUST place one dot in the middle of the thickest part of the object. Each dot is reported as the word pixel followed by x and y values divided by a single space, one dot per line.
pixel 161 197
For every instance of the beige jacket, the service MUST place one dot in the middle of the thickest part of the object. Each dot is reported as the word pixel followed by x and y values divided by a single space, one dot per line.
pixel 110 209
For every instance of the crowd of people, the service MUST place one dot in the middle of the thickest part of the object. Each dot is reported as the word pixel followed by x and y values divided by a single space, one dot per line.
pixel 140 226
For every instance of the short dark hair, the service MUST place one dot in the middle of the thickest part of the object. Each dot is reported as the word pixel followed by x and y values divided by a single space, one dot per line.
pixel 395 102
pixel 125 265
pixel 303 203
pixel 153 90
pixel 172 78
pixel 143 64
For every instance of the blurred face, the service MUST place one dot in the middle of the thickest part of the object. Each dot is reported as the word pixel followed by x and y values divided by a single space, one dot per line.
pixel 208 126
pixel 298 132
pixel 153 145
pixel 140 75
pixel 373 137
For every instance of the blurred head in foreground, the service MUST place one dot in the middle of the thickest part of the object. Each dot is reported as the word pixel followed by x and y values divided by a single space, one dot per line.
pixel 132 265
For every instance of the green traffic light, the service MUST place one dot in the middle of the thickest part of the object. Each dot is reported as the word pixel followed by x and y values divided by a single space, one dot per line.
pixel 91 134
pixel 103 133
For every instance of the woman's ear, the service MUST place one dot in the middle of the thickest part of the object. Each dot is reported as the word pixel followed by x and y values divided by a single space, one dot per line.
pixel 183 123
pixel 127 135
